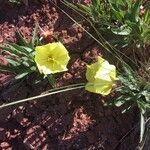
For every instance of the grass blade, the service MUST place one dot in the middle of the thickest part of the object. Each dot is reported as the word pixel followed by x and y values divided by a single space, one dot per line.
pixel 21 40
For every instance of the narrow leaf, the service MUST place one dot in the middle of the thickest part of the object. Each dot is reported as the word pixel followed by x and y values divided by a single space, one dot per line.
pixel 142 126
pixel 21 40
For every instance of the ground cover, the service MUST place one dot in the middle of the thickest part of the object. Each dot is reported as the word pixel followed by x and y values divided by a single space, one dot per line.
pixel 71 120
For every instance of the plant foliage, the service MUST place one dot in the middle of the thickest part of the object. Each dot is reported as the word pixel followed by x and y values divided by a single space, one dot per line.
pixel 20 56
pixel 119 19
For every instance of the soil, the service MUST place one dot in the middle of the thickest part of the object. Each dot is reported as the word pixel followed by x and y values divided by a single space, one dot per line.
pixel 75 120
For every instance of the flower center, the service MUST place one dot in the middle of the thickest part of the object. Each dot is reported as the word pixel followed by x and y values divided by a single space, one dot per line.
pixel 50 59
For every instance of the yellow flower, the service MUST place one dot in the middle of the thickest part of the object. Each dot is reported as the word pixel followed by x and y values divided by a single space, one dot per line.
pixel 101 76
pixel 51 58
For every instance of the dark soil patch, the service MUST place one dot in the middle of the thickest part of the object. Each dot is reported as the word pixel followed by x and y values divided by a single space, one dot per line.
pixel 75 120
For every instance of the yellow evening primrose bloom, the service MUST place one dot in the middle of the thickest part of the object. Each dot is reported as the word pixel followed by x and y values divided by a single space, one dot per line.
pixel 101 76
pixel 51 58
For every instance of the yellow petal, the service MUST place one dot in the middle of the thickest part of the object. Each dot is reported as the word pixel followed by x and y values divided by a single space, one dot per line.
pixel 101 76
pixel 92 69
pixel 60 54
pixel 51 58
pixel 100 87
pixel 113 73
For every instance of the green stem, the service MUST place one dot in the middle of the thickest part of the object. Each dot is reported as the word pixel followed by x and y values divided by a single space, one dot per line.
pixel 51 80
pixel 52 92
pixel 142 127
pixel 64 87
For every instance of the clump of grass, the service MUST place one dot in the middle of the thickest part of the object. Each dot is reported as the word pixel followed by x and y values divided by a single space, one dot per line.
pixel 21 59
pixel 121 25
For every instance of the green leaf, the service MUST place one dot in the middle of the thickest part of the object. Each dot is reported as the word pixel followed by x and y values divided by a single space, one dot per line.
pixel 28 60
pixel 30 51
pixel 26 63
pixel 127 82
pixel 33 68
pixel 141 105
pixel 17 2
pixel 34 36
pixel 126 110
pixel 84 9
pixel 118 15
pixel 123 30
pixel 135 11
pixel 7 69
pixel 129 73
pixel 146 94
pixel 51 80
pixel 22 72
pixel 12 62
pixel 95 3
pixel 135 26
pixel 119 101
pixel 21 40
pixel 21 75
pixel 10 50
pixel 19 49
pixel 142 126
pixel 147 15
pixel 79 7
pixel 129 3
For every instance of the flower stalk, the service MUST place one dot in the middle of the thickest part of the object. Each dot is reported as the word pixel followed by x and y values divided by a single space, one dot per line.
pixel 51 92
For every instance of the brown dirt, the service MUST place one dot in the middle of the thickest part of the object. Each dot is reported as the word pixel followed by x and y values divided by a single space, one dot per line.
pixel 75 120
